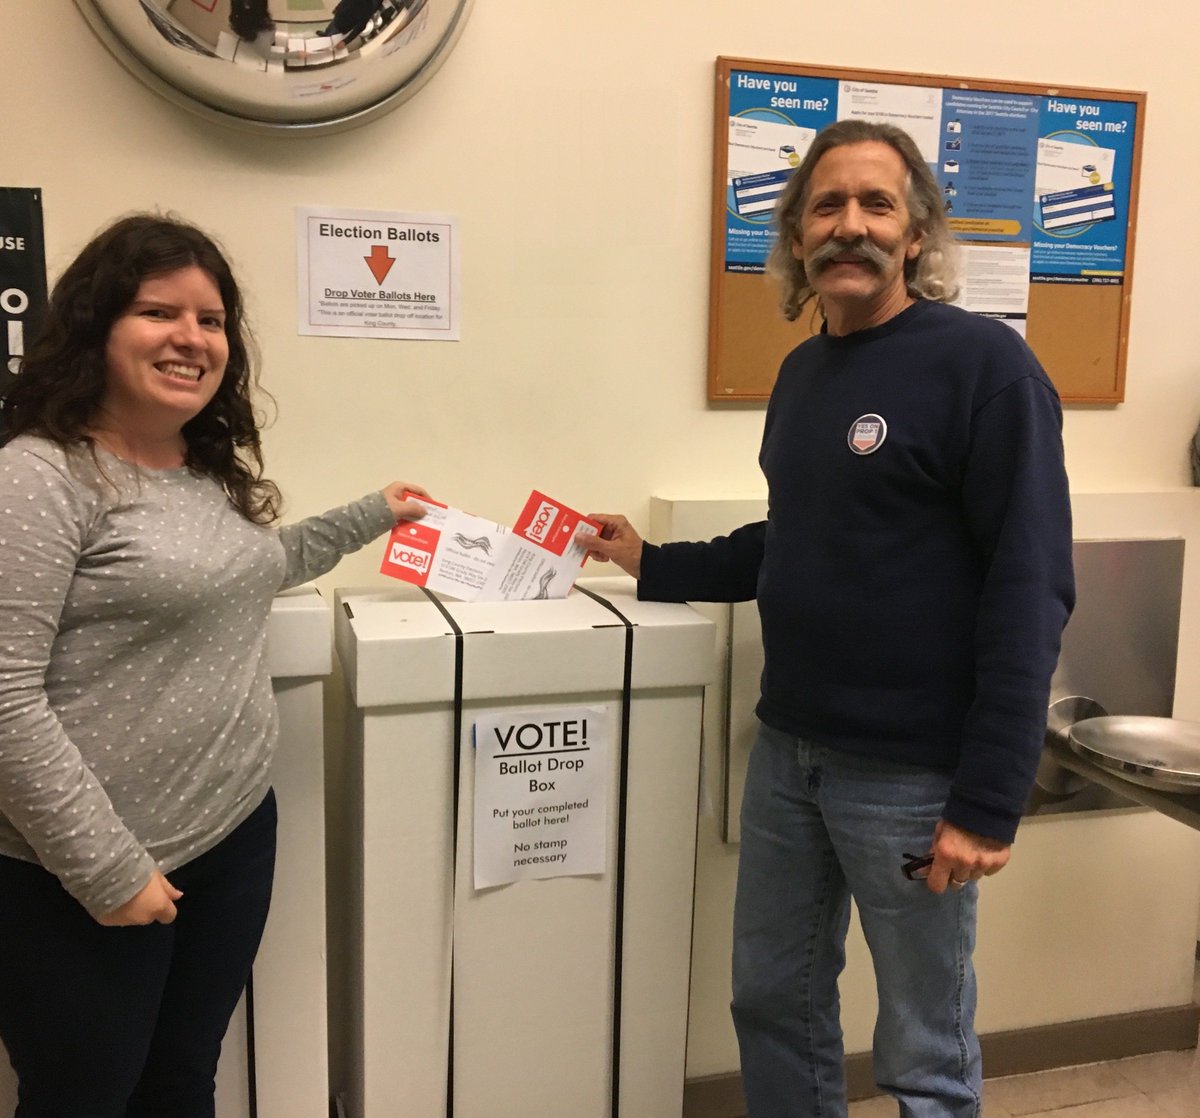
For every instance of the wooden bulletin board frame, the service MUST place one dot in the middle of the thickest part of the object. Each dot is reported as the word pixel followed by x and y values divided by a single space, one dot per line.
pixel 1078 318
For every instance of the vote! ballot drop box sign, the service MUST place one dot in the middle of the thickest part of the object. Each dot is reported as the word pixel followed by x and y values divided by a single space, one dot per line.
pixel 568 975
pixel 541 794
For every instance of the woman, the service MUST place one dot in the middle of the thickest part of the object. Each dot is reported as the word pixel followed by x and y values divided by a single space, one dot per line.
pixel 249 18
pixel 137 723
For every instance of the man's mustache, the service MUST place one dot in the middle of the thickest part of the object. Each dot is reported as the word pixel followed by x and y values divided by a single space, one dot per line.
pixel 860 248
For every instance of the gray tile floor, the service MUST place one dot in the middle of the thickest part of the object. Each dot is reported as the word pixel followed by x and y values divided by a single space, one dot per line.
pixel 1161 1085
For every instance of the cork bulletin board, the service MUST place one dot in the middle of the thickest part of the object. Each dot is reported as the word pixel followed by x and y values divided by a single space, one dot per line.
pixel 1040 185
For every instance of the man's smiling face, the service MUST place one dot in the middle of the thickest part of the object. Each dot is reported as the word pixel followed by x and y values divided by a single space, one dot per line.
pixel 856 234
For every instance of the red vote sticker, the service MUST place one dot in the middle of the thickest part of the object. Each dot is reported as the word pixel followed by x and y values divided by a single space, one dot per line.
pixel 411 545
pixel 548 523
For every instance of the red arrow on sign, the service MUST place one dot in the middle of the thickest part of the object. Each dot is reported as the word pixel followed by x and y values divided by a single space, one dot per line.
pixel 379 262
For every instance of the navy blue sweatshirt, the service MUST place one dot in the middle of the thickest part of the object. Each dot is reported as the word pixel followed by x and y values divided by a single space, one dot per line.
pixel 912 597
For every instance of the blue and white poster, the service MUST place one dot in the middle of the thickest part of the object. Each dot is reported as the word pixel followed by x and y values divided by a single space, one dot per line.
pixel 1081 191
pixel 772 120
pixel 986 162
pixel 1049 176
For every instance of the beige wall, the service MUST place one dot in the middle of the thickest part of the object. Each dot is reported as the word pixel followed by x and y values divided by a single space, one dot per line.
pixel 581 368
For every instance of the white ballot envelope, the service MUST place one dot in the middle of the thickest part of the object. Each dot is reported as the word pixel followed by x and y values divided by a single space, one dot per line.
pixel 473 559
pixel 446 550
pixel 540 558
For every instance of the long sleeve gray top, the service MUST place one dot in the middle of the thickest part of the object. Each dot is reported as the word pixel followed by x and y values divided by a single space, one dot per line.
pixel 137 720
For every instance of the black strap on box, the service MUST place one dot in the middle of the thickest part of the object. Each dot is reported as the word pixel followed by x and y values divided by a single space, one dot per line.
pixel 622 813
pixel 458 721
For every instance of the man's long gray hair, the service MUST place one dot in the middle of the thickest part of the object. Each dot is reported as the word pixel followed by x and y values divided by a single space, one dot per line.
pixel 932 275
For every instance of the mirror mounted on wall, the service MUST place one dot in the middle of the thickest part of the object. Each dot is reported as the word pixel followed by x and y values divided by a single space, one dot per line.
pixel 295 66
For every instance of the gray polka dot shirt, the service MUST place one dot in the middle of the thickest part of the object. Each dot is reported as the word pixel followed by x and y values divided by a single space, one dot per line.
pixel 137 720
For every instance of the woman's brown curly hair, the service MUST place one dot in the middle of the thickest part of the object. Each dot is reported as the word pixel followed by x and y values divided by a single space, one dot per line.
pixel 63 375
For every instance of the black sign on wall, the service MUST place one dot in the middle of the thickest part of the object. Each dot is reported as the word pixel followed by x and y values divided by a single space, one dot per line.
pixel 22 275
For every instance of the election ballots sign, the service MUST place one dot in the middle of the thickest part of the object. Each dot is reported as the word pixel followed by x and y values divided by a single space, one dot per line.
pixel 377 274
pixel 467 557
pixel 541 794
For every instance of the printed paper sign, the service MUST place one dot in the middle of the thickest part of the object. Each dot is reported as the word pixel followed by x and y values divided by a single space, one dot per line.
pixel 473 559
pixel 377 274
pixel 772 121
pixel 995 283
pixel 915 108
pixel 989 142
pixel 541 794
pixel 1082 191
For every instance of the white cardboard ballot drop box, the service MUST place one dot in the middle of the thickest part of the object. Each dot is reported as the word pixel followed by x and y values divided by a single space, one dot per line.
pixel 526 990
pixel 274 1060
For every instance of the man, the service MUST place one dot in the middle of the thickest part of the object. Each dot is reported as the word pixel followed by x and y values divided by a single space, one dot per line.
pixel 913 578
pixel 351 17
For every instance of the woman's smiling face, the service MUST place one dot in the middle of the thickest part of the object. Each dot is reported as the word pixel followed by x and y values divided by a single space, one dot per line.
pixel 166 352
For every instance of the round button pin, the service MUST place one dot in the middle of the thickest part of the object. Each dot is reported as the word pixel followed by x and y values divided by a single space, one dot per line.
pixel 867 433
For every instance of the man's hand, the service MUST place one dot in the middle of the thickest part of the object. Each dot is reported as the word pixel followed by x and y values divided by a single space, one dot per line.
pixel 617 542
pixel 960 856
pixel 401 509
pixel 154 903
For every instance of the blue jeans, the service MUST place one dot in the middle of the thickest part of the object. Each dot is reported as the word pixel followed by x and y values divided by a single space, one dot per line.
pixel 820 826
pixel 128 1022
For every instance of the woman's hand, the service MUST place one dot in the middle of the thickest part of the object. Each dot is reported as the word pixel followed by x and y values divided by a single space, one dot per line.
pixel 153 904
pixel 402 509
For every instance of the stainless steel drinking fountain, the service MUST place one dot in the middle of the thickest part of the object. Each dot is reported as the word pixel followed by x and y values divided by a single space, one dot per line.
pixel 1113 692
pixel 1117 663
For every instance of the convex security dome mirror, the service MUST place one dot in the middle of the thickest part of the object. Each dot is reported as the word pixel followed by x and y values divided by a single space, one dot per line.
pixel 282 65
